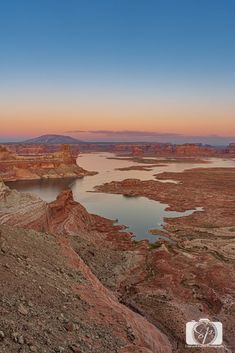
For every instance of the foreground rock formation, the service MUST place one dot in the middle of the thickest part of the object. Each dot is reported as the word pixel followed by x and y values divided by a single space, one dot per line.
pixel 60 164
pixel 51 300
pixel 107 293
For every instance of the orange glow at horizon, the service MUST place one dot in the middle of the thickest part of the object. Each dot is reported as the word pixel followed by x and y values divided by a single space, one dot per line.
pixel 180 119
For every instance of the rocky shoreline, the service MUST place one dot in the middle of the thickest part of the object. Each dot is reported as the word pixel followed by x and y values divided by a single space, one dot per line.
pixel 195 275
pixel 61 164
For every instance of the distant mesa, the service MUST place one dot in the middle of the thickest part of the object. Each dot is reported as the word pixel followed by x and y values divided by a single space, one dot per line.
pixel 53 140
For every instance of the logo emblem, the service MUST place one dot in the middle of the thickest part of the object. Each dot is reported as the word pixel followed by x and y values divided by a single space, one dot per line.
pixel 204 333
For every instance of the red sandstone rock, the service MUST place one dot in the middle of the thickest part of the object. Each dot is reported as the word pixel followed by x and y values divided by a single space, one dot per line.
pixel 170 284
pixel 64 219
pixel 231 149
pixel 6 154
pixel 149 149
pixel 137 151
pixel 55 165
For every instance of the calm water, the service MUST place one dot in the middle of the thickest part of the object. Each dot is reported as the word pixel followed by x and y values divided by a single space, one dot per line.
pixel 139 214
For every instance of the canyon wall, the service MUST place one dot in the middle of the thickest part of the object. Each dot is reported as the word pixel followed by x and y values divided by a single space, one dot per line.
pixel 35 165
pixel 136 149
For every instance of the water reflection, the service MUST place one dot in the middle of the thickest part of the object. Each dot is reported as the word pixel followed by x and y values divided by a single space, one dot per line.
pixel 46 189
pixel 139 214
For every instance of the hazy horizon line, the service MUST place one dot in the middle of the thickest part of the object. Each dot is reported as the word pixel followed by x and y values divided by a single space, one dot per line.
pixel 130 136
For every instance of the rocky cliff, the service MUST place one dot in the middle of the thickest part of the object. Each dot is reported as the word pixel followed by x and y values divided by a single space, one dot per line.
pixel 187 149
pixel 6 154
pixel 60 305
pixel 135 149
pixel 60 164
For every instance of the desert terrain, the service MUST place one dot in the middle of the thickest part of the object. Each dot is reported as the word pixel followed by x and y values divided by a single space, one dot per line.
pixel 72 281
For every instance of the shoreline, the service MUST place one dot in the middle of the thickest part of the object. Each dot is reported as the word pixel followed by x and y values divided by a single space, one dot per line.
pixel 163 277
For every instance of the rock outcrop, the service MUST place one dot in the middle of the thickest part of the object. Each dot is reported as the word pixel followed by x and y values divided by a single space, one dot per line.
pixel 6 154
pixel 21 209
pixel 59 301
pixel 61 164
pixel 28 150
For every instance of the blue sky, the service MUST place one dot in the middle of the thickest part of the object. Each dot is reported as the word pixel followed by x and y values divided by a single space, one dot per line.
pixel 70 51
pixel 116 36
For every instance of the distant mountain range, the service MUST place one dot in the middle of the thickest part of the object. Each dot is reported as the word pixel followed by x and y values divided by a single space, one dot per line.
pixel 53 140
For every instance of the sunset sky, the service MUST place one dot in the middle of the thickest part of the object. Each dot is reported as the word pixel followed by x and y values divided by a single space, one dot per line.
pixel 156 70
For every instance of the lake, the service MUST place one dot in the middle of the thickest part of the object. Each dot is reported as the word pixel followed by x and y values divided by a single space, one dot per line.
pixel 139 214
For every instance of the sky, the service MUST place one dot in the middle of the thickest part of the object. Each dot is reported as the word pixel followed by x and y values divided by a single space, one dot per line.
pixel 118 70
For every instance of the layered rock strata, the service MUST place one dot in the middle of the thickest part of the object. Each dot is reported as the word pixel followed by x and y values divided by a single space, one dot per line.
pixel 60 305
pixel 61 164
